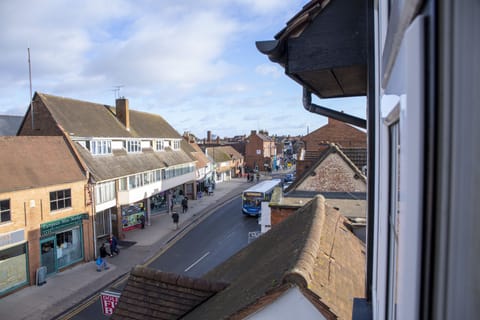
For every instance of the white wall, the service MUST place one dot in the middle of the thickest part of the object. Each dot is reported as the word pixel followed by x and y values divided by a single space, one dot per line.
pixel 291 305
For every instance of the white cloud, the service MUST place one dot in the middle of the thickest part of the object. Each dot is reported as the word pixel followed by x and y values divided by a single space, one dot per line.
pixel 269 70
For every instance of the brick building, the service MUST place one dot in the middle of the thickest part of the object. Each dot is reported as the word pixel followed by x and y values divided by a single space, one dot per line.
pixel 260 151
pixel 46 218
pixel 135 159
pixel 349 139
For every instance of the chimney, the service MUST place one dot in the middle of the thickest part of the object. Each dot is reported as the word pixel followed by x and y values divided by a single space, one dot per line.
pixel 123 114
pixel 253 132
pixel 209 136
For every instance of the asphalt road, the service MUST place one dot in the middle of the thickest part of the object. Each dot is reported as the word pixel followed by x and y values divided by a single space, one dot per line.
pixel 212 241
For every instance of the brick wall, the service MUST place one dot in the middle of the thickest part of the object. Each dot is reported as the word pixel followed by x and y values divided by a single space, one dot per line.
pixel 30 208
pixel 338 132
pixel 333 175
pixel 43 123
pixel 278 214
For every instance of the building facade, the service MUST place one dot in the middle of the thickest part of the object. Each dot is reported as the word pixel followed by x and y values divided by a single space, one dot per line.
pixel 260 151
pixel 46 220
pixel 135 160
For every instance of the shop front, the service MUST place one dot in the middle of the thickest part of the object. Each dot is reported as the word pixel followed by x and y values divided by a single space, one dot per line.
pixel 13 261
pixel 61 242
pixel 132 215
pixel 159 203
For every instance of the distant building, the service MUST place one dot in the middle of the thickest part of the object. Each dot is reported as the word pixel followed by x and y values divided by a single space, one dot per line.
pixel 260 151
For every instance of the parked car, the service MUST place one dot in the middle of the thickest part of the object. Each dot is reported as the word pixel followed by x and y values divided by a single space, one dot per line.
pixel 288 177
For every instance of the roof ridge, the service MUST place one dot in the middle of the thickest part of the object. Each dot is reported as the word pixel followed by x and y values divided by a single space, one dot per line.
pixel 302 272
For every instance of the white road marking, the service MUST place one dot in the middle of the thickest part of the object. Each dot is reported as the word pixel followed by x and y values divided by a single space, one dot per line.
pixel 199 259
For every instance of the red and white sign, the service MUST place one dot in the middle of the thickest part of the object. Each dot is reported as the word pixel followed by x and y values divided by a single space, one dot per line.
pixel 109 300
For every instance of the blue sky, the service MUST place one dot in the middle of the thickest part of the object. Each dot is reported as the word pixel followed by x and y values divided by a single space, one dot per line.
pixel 192 62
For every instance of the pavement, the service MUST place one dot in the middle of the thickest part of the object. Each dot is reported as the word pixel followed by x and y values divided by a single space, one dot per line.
pixel 66 289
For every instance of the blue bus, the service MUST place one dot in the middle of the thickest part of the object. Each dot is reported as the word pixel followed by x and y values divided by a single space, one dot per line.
pixel 252 197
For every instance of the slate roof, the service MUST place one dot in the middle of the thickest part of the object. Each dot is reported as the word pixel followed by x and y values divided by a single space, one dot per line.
pixel 87 119
pixel 312 249
pixel 153 294
pixel 9 125
pixel 33 162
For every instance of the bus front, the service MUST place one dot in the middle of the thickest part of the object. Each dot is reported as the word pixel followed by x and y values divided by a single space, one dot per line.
pixel 252 203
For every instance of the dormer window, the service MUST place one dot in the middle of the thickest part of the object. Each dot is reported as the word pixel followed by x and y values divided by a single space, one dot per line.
pixel 176 144
pixel 160 145
pixel 133 146
pixel 98 147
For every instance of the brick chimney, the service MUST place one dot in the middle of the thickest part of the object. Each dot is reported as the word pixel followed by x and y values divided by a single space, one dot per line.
pixel 209 136
pixel 253 132
pixel 123 114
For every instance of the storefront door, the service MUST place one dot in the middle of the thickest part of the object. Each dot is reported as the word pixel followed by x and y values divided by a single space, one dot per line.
pixel 48 254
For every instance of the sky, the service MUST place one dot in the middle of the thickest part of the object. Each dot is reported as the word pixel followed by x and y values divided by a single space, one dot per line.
pixel 193 62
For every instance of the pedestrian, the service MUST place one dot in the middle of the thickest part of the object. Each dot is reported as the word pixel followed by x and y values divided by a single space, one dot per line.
pixel 175 218
pixel 142 221
pixel 258 176
pixel 172 203
pixel 101 261
pixel 113 245
pixel 185 204
pixel 210 190
pixel 248 176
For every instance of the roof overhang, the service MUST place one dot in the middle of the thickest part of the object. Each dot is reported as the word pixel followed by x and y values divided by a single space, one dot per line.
pixel 324 48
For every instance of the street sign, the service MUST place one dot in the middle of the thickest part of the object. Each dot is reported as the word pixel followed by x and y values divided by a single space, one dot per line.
pixel 109 300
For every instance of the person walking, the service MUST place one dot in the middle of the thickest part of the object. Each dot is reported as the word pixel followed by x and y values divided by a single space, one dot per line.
pixel 185 204
pixel 113 245
pixel 101 261
pixel 142 221
pixel 175 218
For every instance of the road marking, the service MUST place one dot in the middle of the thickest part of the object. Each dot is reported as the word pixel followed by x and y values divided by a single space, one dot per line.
pixel 199 259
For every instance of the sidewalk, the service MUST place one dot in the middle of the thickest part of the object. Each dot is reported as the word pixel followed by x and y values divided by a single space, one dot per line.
pixel 66 289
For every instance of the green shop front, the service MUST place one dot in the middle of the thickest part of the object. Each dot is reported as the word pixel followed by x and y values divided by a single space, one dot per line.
pixel 61 242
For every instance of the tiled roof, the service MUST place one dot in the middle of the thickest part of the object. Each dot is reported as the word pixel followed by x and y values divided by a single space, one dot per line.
pixel 218 154
pixel 312 249
pixel 230 151
pixel 86 119
pixel 32 162
pixel 333 148
pixel 202 159
pixel 153 294
pixel 122 163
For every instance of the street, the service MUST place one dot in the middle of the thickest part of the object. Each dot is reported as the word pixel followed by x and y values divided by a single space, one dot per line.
pixel 211 242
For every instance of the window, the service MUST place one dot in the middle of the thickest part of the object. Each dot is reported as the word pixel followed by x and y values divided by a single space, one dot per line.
pixel 5 210
pixel 160 145
pixel 101 147
pixel 393 221
pixel 104 192
pixel 176 145
pixel 134 146
pixel 60 199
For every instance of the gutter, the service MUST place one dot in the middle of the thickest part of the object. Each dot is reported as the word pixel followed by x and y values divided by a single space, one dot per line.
pixel 337 115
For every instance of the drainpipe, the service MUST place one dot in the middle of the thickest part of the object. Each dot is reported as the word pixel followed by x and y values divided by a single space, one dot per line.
pixel 340 116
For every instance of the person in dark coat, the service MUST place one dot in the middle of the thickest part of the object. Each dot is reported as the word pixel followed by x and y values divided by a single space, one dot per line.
pixel 175 218
pixel 101 261
pixel 114 245
pixel 142 221
pixel 185 204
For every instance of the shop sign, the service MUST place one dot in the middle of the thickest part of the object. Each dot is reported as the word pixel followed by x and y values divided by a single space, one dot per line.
pixel 50 227
pixel 109 300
